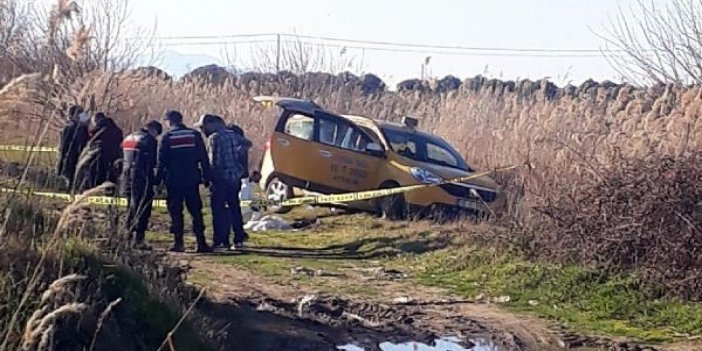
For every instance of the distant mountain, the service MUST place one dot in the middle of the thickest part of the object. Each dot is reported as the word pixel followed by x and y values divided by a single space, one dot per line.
pixel 178 64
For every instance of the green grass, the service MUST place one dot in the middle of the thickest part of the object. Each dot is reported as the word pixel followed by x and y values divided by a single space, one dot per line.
pixel 581 299
pixel 41 159
pixel 153 317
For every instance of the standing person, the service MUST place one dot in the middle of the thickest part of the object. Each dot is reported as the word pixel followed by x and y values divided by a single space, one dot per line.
pixel 140 150
pixel 183 166
pixel 245 161
pixel 252 213
pixel 249 179
pixel 103 151
pixel 73 139
pixel 227 151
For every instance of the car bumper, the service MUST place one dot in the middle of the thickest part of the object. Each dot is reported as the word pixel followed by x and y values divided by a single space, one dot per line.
pixel 436 198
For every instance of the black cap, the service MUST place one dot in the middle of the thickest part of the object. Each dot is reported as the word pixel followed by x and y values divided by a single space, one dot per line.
pixel 100 116
pixel 155 125
pixel 173 116
pixel 74 110
pixel 207 119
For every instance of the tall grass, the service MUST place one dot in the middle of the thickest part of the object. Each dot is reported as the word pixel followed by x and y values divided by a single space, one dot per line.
pixel 574 138
pixel 563 137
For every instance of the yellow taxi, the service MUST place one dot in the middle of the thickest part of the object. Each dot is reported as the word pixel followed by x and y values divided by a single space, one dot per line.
pixel 314 151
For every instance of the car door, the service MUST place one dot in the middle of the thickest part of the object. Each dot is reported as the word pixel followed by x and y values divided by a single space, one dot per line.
pixel 293 149
pixel 345 166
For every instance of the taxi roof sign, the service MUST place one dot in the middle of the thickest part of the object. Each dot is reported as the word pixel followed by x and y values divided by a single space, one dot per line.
pixel 266 101
pixel 410 122
pixel 300 105
pixel 265 98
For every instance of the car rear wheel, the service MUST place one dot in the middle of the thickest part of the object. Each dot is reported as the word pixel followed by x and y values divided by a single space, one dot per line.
pixel 279 191
pixel 393 207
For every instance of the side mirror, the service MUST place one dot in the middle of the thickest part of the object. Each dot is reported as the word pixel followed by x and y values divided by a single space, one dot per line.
pixel 375 149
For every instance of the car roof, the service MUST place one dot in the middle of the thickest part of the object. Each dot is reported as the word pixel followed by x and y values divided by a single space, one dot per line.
pixel 380 124
pixel 310 107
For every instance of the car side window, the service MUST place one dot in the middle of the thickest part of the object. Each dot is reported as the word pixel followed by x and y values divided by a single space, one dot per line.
pixel 363 142
pixel 355 140
pixel 332 132
pixel 342 135
pixel 300 126
pixel 403 145
pixel 350 139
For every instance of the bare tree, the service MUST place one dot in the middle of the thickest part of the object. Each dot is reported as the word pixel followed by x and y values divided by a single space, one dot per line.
pixel 13 22
pixel 116 42
pixel 78 37
pixel 650 42
pixel 14 29
pixel 86 46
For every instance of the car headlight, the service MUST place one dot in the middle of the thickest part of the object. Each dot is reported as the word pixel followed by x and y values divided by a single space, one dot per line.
pixel 424 176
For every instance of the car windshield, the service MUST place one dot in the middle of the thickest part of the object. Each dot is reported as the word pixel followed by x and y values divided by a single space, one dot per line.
pixel 424 148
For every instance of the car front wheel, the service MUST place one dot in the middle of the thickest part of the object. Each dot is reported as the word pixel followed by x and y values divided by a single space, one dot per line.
pixel 393 207
pixel 277 190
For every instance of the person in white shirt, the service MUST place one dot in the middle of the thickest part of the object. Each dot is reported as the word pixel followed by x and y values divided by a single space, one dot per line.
pixel 248 186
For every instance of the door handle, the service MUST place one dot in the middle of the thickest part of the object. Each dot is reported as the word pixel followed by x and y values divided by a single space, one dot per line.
pixel 325 153
pixel 283 142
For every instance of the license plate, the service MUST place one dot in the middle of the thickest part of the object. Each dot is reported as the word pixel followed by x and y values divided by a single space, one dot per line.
pixel 469 204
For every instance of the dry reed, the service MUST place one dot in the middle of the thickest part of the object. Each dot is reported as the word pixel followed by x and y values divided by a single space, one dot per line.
pixel 40 326
pixel 101 320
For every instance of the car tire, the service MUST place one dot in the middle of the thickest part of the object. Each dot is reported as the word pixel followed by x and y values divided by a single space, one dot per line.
pixel 278 190
pixel 393 207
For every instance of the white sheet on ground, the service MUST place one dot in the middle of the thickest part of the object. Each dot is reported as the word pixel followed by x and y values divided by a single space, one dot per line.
pixel 267 223
pixel 254 219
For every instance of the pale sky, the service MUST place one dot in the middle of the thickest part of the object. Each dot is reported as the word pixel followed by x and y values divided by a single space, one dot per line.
pixel 518 24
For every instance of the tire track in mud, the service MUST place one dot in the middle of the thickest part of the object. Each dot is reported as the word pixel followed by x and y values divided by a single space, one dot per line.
pixel 364 323
pixel 337 319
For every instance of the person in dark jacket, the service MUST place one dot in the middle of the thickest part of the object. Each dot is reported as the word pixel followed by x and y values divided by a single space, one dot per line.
pixel 140 150
pixel 245 161
pixel 103 152
pixel 72 140
pixel 228 152
pixel 183 166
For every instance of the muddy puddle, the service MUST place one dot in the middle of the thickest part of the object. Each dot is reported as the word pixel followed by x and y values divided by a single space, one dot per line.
pixel 442 344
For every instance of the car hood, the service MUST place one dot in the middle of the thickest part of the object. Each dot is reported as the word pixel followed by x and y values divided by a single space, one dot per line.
pixel 452 173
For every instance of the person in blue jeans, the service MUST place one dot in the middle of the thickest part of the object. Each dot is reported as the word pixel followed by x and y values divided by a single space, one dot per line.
pixel 228 152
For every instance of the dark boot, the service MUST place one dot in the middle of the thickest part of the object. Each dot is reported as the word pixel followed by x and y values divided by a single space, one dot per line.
pixel 178 245
pixel 140 242
pixel 202 246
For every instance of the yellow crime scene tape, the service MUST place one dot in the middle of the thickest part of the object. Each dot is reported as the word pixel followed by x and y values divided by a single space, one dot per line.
pixel 97 200
pixel 298 201
pixel 28 148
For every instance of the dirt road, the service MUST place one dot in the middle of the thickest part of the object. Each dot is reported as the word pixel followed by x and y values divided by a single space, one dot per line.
pixel 332 285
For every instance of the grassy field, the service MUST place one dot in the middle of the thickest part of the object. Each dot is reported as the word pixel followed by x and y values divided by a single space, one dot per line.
pixel 583 301
pixel 576 142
